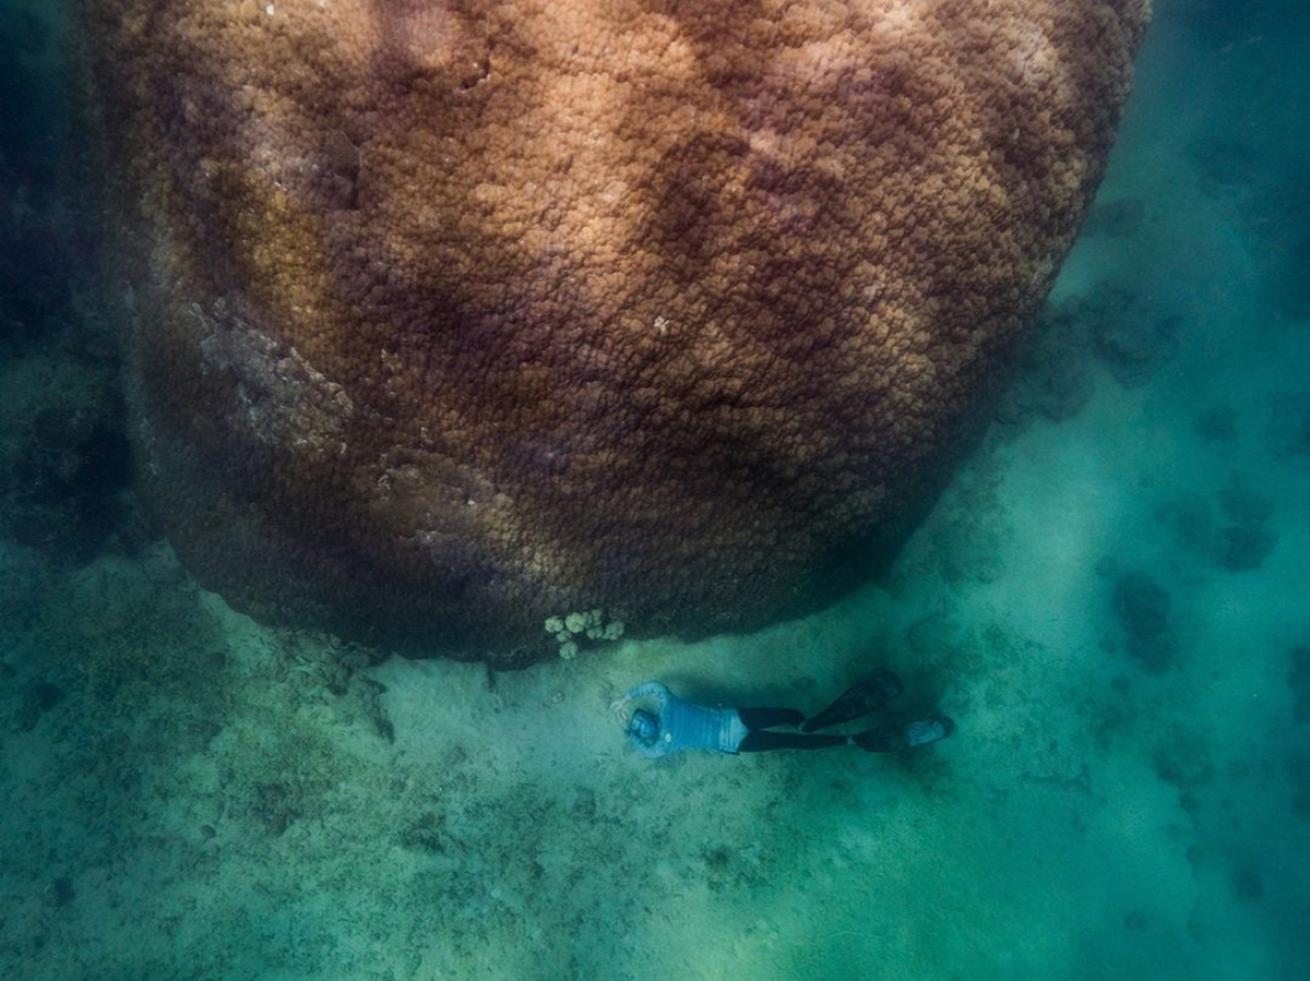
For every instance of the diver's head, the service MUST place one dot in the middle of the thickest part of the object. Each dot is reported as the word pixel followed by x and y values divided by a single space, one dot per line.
pixel 645 726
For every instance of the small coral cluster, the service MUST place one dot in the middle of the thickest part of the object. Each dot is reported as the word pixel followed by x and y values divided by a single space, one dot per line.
pixel 574 628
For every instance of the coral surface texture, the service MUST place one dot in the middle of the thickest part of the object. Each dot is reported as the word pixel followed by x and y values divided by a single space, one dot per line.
pixel 451 317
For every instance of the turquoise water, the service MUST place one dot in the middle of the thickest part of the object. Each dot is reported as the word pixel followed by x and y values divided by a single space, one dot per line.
pixel 1110 599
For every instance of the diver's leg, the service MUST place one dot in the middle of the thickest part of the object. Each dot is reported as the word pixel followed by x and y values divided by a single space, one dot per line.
pixel 860 699
pixel 760 740
pixel 893 739
pixel 764 718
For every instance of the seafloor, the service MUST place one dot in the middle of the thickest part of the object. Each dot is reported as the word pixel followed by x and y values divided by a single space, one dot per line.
pixel 1111 600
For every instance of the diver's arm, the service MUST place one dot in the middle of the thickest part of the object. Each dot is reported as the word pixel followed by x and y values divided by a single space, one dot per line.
pixel 652 689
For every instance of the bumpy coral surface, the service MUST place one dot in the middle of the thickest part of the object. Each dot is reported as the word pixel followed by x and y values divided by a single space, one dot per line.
pixel 454 316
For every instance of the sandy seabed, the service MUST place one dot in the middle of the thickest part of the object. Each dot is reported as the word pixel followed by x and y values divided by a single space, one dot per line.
pixel 1110 600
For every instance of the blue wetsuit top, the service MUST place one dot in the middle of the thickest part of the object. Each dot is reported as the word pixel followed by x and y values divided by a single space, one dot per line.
pixel 686 726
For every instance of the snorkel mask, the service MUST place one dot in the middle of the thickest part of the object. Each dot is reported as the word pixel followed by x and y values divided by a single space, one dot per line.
pixel 644 726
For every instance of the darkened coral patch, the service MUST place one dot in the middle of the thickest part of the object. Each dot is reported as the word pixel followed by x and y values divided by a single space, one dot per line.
pixel 1298 679
pixel 1052 370
pixel 1131 338
pixel 1142 607
pixel 69 466
pixel 1117 218
pixel 1182 757
pixel 1235 536
pixel 1217 425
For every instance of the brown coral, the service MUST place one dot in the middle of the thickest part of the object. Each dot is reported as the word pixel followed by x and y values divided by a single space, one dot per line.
pixel 455 315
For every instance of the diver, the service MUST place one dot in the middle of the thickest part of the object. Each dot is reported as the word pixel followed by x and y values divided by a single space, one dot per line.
pixel 676 725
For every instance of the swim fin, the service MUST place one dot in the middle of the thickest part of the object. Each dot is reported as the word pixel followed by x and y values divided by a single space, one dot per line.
pixel 893 739
pixel 860 699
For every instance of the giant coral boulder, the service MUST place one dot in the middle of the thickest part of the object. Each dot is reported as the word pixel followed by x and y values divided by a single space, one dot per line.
pixel 452 315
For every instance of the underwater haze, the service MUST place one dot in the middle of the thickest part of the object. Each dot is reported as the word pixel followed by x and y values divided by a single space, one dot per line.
pixel 1110 600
